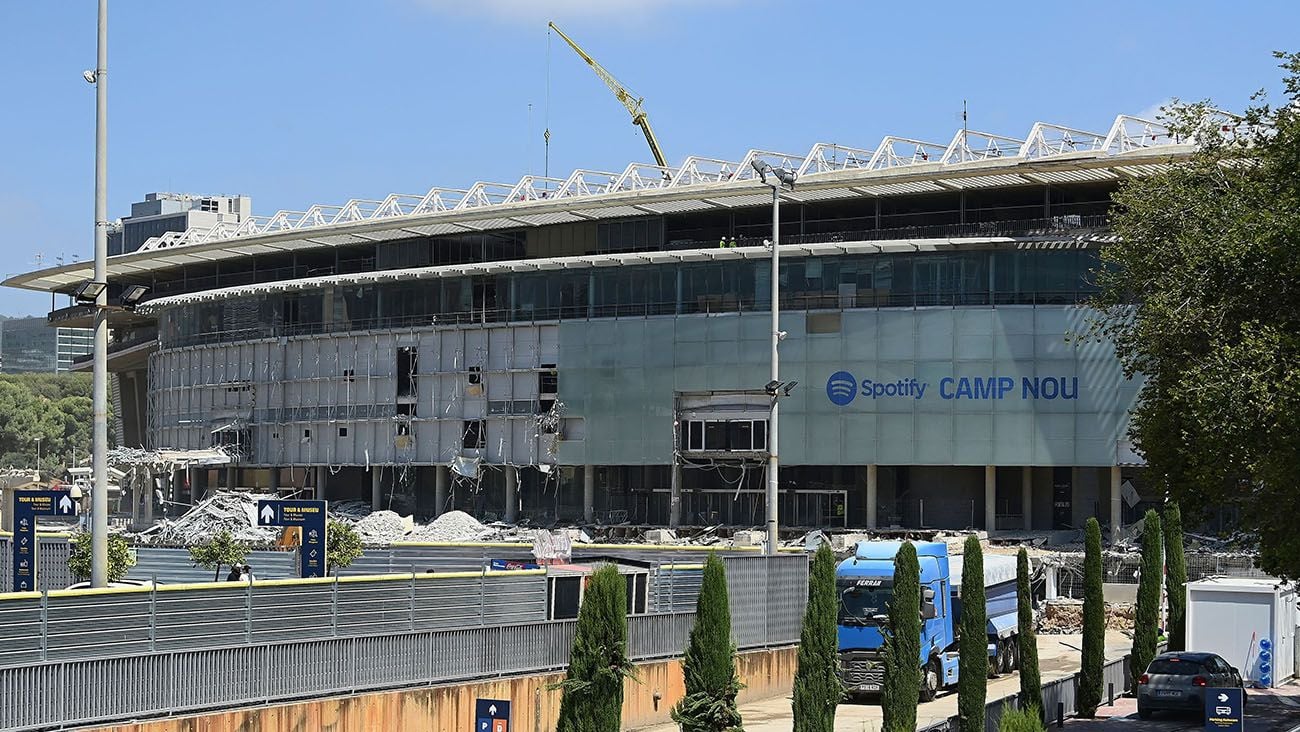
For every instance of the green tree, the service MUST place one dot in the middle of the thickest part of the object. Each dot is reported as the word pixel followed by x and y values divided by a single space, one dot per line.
pixel 972 647
pixel 709 668
pixel 903 645
pixel 218 551
pixel 817 688
pixel 598 662
pixel 342 545
pixel 1199 297
pixel 1147 615
pixel 1175 578
pixel 46 414
pixel 1031 683
pixel 120 560
pixel 1094 623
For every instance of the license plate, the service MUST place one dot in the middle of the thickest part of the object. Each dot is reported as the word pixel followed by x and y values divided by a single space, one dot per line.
pixel 1169 694
pixel 868 687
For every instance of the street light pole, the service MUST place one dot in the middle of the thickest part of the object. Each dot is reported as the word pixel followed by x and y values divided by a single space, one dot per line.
pixel 773 463
pixel 99 463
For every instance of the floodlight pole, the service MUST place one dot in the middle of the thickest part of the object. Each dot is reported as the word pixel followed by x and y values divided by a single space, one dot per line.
pixel 773 464
pixel 99 447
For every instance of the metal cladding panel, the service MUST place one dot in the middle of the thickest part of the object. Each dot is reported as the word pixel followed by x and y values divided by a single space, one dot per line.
pixel 530 647
pixel 31 697
pixel 785 608
pixel 171 566
pixel 674 590
pixel 20 631
pixel 392 660
pixel 678 206
pixel 747 590
pixel 116 687
pixel 658 635
pixel 824 194
pixel 612 212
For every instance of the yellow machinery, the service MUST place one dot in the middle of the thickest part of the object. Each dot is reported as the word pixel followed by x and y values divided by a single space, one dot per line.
pixel 628 99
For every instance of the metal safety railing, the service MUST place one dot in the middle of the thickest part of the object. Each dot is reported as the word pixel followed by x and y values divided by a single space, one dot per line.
pixel 184 677
pixel 92 624
pixel 1059 698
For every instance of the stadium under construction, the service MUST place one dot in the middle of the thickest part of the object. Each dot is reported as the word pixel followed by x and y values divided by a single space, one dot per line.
pixel 596 347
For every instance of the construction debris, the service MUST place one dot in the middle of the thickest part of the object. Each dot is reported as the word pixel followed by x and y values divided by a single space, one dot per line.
pixel 1065 617
pixel 235 512
pixel 451 526
pixel 383 527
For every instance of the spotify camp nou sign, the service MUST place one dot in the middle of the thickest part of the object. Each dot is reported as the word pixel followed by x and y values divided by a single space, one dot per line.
pixel 842 388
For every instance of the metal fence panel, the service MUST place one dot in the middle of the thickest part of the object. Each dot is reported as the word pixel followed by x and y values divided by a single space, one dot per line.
pixel 658 636
pixel 219 677
pixel 52 571
pixel 30 697
pixel 747 591
pixel 674 589
pixel 534 647
pixel 785 605
pixel 171 566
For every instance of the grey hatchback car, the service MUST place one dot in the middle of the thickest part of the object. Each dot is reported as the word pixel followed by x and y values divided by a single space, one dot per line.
pixel 1177 682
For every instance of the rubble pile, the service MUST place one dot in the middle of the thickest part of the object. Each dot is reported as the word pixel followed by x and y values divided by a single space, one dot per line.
pixel 382 527
pixel 235 512
pixel 1065 617
pixel 350 511
pixel 451 526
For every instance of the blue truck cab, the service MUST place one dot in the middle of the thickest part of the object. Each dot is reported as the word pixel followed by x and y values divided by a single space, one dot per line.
pixel 865 584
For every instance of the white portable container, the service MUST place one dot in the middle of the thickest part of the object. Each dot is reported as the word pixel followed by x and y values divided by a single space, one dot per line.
pixel 1250 622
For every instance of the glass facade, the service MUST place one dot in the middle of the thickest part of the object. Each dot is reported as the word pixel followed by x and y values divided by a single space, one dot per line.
pixel 978 277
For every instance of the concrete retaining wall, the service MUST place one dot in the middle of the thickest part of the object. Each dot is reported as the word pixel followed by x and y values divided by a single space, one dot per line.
pixel 451 708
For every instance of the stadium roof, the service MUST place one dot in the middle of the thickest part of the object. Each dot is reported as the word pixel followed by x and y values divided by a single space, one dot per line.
pixel 1049 154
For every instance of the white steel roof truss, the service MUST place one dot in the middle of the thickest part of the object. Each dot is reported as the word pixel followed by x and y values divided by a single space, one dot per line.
pixel 587 183
pixel 698 169
pixel 1045 140
pixel 969 146
pixel 826 157
pixel 895 152
pixel 744 170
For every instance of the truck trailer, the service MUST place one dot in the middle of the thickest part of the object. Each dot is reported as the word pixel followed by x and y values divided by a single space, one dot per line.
pixel 865 584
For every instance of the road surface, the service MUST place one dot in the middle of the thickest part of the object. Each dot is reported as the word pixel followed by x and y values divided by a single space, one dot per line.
pixel 1058 656
pixel 1273 710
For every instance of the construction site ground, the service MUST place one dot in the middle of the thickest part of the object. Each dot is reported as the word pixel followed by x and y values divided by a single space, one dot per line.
pixel 1058 656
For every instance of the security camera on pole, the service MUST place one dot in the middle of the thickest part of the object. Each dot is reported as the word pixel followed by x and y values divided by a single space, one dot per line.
pixel 775 388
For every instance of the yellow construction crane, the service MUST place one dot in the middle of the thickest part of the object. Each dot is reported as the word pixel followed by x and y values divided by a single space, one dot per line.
pixel 629 100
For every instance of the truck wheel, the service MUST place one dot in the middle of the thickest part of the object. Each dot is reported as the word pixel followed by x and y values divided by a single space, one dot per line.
pixel 1013 654
pixel 930 680
pixel 995 663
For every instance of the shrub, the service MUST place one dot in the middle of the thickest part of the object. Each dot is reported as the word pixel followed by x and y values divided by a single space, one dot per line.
pixel 120 560
pixel 598 662
pixel 1094 624
pixel 342 545
pixel 903 645
pixel 1031 683
pixel 217 552
pixel 817 688
pixel 973 653
pixel 709 668
pixel 1021 720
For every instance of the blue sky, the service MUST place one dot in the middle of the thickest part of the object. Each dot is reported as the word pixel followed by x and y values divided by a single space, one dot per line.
pixel 297 102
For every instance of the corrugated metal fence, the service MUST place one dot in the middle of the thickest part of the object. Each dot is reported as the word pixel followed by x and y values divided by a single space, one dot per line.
pixel 51 563
pixel 388 643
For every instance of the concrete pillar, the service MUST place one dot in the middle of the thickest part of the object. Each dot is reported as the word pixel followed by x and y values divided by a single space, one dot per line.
pixel 589 493
pixel 322 475
pixel 873 491
pixel 990 498
pixel 1116 503
pixel 441 477
pixel 376 489
pixel 512 494
pixel 275 479
pixel 232 477
pixel 146 508
pixel 192 479
pixel 1027 496
pixel 1051 581
pixel 674 501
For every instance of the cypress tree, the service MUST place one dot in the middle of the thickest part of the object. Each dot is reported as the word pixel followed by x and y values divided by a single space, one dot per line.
pixel 1175 578
pixel 1148 600
pixel 817 688
pixel 1094 623
pixel 1031 683
pixel 709 668
pixel 598 663
pixel 973 653
pixel 903 645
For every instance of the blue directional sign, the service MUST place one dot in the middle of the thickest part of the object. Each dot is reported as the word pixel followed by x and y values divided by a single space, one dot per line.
pixel 27 506
pixel 491 715
pixel 308 516
pixel 1224 710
